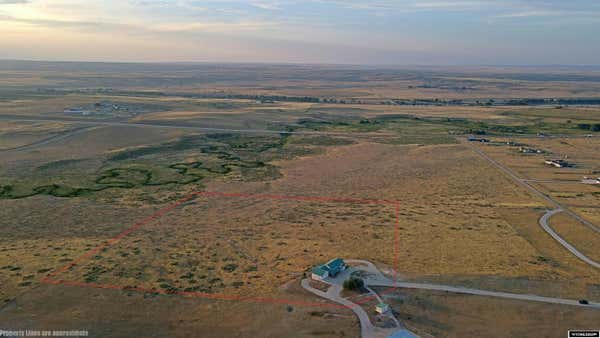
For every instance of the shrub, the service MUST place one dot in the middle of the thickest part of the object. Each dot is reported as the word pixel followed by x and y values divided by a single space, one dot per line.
pixel 230 267
pixel 353 283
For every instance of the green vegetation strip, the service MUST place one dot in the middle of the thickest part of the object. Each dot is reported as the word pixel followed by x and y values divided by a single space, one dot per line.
pixel 404 123
pixel 125 178
pixel 228 150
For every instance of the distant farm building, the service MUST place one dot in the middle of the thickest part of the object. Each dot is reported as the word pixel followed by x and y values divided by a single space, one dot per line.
pixel 559 163
pixel 587 180
pixel 331 268
pixel 528 150
pixel 514 144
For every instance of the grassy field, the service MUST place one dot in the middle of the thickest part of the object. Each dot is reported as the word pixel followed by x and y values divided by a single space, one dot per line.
pixel 240 246
pixel 449 315
pixel 332 82
pixel 93 159
pixel 17 134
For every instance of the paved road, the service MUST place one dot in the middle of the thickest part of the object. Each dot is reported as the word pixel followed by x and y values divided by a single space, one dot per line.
pixel 371 273
pixel 534 190
pixel 333 293
pixel 389 314
pixel 552 181
pixel 55 138
pixel 455 289
pixel 230 130
pixel 544 219
pixel 176 126
pixel 376 278
pixel 544 223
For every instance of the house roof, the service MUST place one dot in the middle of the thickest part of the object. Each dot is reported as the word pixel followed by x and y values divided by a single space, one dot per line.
pixel 334 264
pixel 382 305
pixel 319 271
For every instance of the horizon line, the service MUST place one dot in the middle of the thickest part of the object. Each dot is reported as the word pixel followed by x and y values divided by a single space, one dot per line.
pixel 281 63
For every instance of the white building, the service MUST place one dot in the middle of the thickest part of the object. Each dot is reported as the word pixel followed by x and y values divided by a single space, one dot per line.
pixel 382 308
pixel 318 273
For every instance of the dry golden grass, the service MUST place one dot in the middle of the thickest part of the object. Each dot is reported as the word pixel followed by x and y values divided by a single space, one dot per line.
pixel 454 221
pixel 20 133
pixel 591 213
pixel 241 246
pixel 130 314
pixel 583 238
pixel 563 184
pixel 459 216
pixel 451 315
pixel 461 220
pixel 24 263
pixel 373 89
pixel 41 234
pixel 93 144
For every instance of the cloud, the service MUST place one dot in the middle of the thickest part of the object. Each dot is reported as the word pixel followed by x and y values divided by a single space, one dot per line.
pixel 166 28
pixel 410 5
pixel 529 14
pixel 505 7
pixel 288 29
pixel 12 2
pixel 541 8
pixel 271 6
pixel 449 4
pixel 213 27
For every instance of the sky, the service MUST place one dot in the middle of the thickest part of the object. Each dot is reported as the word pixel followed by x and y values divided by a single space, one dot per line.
pixel 378 32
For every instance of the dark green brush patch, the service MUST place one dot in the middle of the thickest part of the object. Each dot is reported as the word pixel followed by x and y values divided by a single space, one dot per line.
pixel 59 164
pixel 225 151
pixel 421 140
pixel 225 146
pixel 347 126
pixel 124 178
pixel 413 125
pixel 322 141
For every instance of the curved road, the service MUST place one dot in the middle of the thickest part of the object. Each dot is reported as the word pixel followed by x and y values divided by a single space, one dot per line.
pixel 378 279
pixel 544 219
pixel 544 224
pixel 525 183
pixel 333 294
pixel 375 278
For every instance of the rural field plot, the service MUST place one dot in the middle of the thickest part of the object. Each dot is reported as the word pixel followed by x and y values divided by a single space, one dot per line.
pixel 236 246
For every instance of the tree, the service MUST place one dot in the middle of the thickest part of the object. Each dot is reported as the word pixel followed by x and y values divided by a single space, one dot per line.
pixel 354 283
pixel 584 126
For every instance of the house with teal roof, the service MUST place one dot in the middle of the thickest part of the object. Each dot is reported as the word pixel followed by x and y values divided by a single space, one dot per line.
pixel 319 273
pixel 331 268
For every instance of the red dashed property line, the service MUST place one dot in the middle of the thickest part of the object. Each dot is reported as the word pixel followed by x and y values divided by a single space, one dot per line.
pixel 364 299
pixel 397 245
pixel 158 214
pixel 396 257
pixel 298 198
pixel 51 278
pixel 194 294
